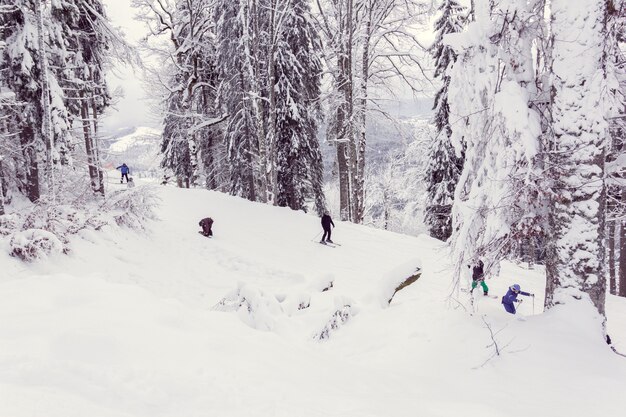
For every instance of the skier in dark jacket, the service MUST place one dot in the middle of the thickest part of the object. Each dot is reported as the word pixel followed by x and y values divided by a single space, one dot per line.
pixel 206 226
pixel 511 297
pixel 478 275
pixel 326 223
pixel 125 170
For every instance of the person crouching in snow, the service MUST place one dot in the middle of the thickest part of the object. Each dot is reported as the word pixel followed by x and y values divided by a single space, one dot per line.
pixel 511 297
pixel 478 275
pixel 206 226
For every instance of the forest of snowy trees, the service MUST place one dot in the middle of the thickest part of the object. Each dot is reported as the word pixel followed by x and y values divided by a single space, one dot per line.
pixel 241 85
pixel 54 59
pixel 526 157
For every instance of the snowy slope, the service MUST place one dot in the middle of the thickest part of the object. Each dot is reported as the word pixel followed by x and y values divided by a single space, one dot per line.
pixel 125 326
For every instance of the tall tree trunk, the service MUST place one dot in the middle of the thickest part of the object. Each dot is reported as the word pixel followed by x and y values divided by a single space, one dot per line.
pixel 256 86
pixel 345 140
pixel 96 147
pixel 359 190
pixel 1 187
pixel 611 249
pixel 29 150
pixel 349 97
pixel 576 263
pixel 622 254
pixel 272 179
pixel 89 148
pixel 45 98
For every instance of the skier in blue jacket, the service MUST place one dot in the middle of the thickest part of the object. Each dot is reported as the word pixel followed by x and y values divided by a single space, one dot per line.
pixel 125 170
pixel 511 297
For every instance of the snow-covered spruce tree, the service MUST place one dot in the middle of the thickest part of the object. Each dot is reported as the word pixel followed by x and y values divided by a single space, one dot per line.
pixel 445 164
pixel 239 95
pixel 491 84
pixel 575 263
pixel 297 69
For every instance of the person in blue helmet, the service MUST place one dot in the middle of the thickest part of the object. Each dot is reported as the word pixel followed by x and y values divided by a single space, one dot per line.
pixel 510 298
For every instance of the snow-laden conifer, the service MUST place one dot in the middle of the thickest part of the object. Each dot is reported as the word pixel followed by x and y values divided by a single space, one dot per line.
pixel 491 87
pixel 445 164
pixel 297 85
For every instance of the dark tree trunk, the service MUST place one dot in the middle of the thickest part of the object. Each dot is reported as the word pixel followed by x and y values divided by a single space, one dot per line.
pixel 96 148
pixel 27 138
pixel 611 250
pixel 89 149
pixel 622 257
pixel 345 141
pixel 1 189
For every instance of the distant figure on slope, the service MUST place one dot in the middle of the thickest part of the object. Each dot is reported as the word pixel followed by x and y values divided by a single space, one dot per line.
pixel 130 182
pixel 326 223
pixel 125 170
pixel 511 297
pixel 206 226
pixel 478 275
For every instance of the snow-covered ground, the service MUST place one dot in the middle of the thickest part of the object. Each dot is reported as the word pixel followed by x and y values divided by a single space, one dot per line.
pixel 132 325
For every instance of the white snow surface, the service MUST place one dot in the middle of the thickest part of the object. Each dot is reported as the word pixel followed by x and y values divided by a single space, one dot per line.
pixel 132 325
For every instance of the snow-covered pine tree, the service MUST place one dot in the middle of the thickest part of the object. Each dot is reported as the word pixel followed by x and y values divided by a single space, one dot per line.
pixel 445 165
pixel 239 95
pixel 491 86
pixel 575 264
pixel 297 69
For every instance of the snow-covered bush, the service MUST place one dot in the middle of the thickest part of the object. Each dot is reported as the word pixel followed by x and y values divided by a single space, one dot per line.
pixel 47 227
pixel 33 244
pixel 132 208
pixel 344 309
pixel 254 307
pixel 8 224
pixel 337 319
pixel 60 220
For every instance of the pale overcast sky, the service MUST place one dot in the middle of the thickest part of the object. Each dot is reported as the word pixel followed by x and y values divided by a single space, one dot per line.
pixel 132 109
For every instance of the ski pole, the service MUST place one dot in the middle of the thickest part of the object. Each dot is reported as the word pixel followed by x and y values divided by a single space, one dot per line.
pixel 533 304
pixel 315 237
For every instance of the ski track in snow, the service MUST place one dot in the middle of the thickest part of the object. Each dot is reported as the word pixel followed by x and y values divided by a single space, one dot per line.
pixel 123 327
